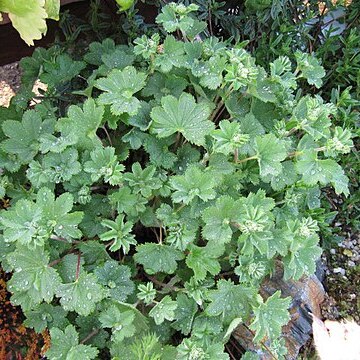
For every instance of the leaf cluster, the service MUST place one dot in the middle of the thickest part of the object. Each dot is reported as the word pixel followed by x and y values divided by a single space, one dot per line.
pixel 160 197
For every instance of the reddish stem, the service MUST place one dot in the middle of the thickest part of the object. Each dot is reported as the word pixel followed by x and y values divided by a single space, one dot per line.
pixel 78 266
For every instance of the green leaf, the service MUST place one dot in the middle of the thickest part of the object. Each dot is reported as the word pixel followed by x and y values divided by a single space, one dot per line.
pixel 81 295
pixel 180 234
pixel 52 8
pixel 340 142
pixel 172 55
pixel 146 46
pixel 116 278
pixel 218 220
pixel 241 70
pixel 23 137
pixel 97 50
pixel 193 184
pixel 149 347
pixel 87 325
pixel 61 70
pixel 143 181
pixel 141 120
pixel 31 66
pixel 229 137
pixel 231 328
pixel 46 316
pixel 280 242
pixel 255 221
pixel 120 58
pixel 184 314
pixel 104 163
pixel 21 224
pixel 280 70
pixel 121 322
pixel 174 17
pixel 184 116
pixel 49 142
pixel 57 212
pixel 54 168
pixel 146 293
pixel 95 212
pixel 249 355
pixel 21 15
pixel 265 88
pixel 160 85
pixel 210 72
pixel 33 280
pixel 127 202
pixel 93 252
pixel 270 151
pixel 314 170
pixel 252 269
pixel 203 260
pixel 82 123
pixel 65 346
pixel 31 224
pixel 313 116
pixel 286 178
pixel 230 301
pixel 193 349
pixel 164 310
pixel 304 251
pixel 270 317
pixel 159 152
pixel 158 258
pixel 120 233
pixel 310 68
pixel 119 87
pixel 67 265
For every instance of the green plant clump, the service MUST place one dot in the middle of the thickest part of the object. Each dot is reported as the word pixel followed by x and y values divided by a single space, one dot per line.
pixel 155 187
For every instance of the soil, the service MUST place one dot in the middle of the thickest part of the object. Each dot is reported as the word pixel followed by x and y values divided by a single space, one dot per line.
pixel 9 82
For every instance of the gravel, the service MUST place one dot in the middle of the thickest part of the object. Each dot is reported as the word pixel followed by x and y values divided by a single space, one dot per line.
pixel 9 82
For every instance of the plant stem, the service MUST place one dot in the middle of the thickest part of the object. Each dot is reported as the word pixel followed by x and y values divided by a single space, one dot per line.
pixel 160 234
pixel 59 238
pixel 89 336
pixel 221 102
pixel 180 207
pixel 55 262
pixel 247 159
pixel 236 155
pixel 78 266
pixel 107 135
pixel 168 286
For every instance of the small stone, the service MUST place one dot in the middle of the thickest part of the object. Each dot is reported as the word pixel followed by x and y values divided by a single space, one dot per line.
pixel 332 251
pixel 339 270
pixel 351 263
pixel 347 252
pixel 352 296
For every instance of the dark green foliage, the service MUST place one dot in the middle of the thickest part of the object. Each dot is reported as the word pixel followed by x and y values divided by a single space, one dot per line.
pixel 155 199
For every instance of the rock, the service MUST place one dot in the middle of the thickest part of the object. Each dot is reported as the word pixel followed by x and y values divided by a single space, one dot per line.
pixel 307 294
pixel 347 252
pixel 339 270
